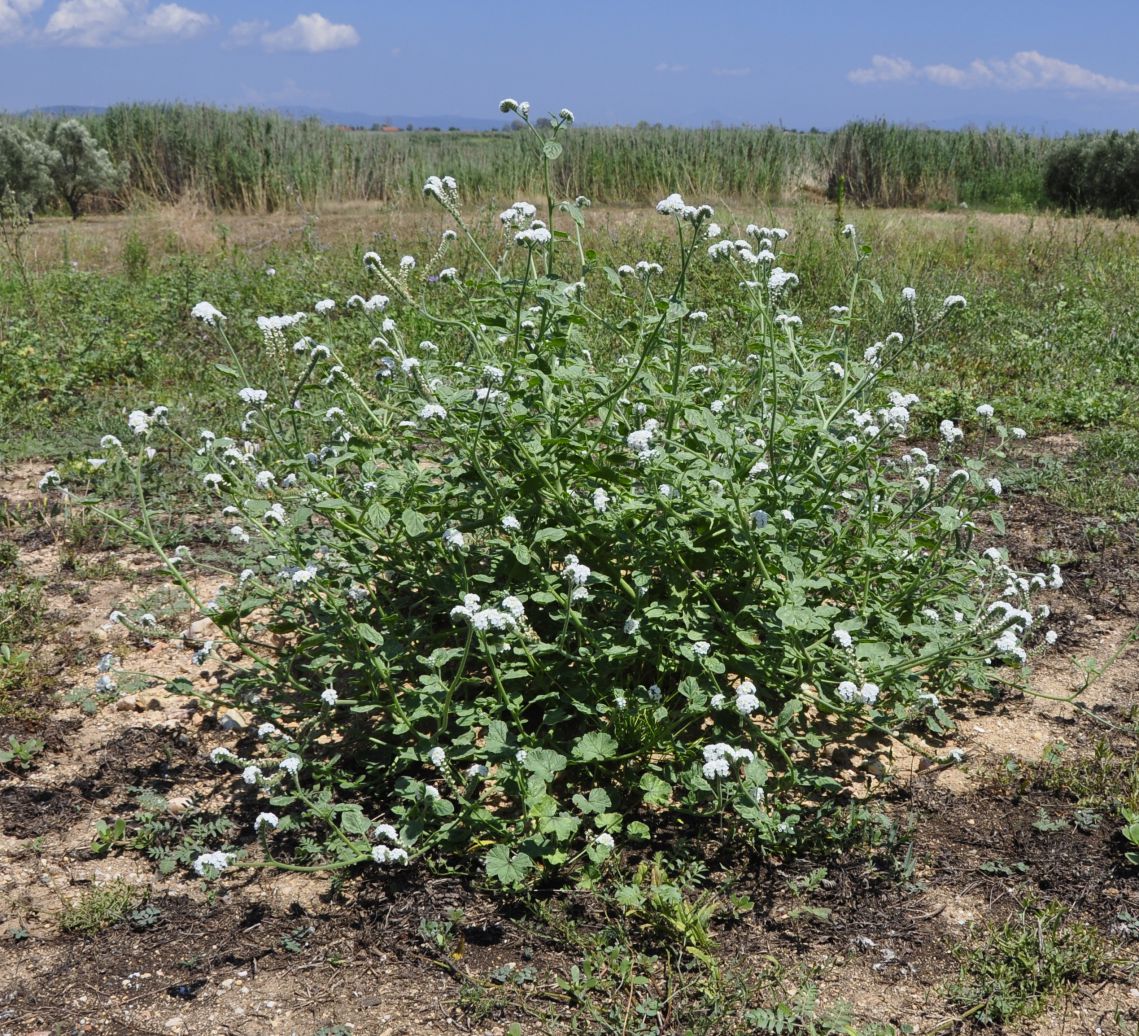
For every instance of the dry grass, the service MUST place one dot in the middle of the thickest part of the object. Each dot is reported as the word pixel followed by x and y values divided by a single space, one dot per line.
pixel 97 242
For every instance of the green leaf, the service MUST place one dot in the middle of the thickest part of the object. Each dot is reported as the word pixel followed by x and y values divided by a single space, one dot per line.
pixel 544 763
pixel 354 822
pixel 331 504
pixel 657 792
pixel 521 553
pixel 550 535
pixel 552 150
pixel 630 897
pixel 800 617
pixel 509 869
pixel 594 747
pixel 563 826
pixel 497 738
pixel 413 522
pixel 378 515
pixel 370 634
pixel 998 521
pixel 596 802
pixel 574 211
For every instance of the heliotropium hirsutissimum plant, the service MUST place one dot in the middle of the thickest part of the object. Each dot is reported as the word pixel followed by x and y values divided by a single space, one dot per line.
pixel 569 574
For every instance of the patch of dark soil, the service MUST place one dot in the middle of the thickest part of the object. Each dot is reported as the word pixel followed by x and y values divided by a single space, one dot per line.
pixel 995 842
pixel 147 753
pixel 196 958
pixel 30 810
pixel 1100 562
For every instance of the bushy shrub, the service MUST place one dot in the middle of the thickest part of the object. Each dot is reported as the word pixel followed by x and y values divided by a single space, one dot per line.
pixel 566 576
pixel 68 163
pixel 25 172
pixel 1098 173
pixel 80 166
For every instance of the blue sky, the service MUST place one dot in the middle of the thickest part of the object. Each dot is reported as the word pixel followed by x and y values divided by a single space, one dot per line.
pixel 1041 65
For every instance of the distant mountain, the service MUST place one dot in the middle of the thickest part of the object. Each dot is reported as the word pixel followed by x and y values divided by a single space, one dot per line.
pixel 1028 124
pixel 338 118
pixel 61 110
pixel 326 115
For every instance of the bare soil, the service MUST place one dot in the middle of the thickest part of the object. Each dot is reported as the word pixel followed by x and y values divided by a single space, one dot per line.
pixel 264 952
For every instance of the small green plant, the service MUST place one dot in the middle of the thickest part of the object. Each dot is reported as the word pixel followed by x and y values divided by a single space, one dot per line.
pixel 136 257
pixel 20 754
pixel 1048 824
pixel 443 936
pixel 108 836
pixel 1014 969
pixel 145 916
pixel 1130 833
pixel 297 939
pixel 172 838
pixel 671 915
pixel 104 905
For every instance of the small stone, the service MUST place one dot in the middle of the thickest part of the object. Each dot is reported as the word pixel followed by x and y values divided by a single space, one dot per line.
pixel 179 804
pixel 98 636
pixel 199 632
pixel 175 1024
pixel 127 703
pixel 232 719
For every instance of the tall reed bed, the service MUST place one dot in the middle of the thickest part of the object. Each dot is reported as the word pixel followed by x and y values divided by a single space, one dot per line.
pixel 249 160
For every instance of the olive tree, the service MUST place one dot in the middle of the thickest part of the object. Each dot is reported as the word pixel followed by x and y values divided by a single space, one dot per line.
pixel 25 171
pixel 80 166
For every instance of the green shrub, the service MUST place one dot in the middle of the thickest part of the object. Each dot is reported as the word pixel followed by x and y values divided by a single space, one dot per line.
pixel 513 601
pixel 1099 173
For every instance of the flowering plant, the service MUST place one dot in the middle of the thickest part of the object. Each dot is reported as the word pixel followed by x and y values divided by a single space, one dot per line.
pixel 570 573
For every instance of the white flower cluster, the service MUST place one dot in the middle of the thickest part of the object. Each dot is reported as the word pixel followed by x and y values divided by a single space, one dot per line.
pixel 207 313
pixel 443 189
pixel 718 759
pixel 849 691
pixel 640 442
pixel 577 575
pixel 218 861
pixel 674 205
pixel 517 214
pixel 779 280
pixel 950 432
pixel 537 234
pixel 508 616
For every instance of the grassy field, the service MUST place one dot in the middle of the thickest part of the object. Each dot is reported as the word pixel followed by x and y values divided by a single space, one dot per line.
pixel 994 896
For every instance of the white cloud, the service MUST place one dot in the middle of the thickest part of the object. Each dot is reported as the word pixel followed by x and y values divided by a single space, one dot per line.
pixel 12 17
pixel 312 33
pixel 110 23
pixel 664 66
pixel 731 72
pixel 172 21
pixel 244 33
pixel 882 70
pixel 1026 70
